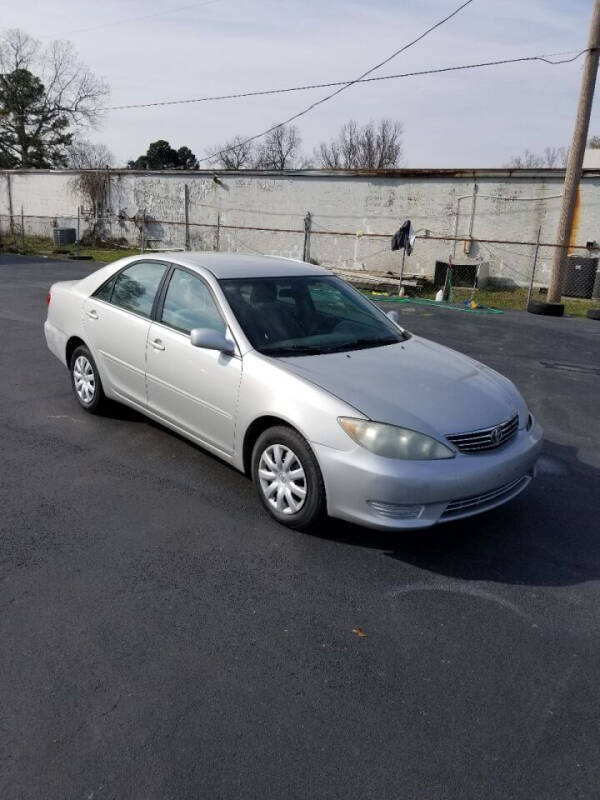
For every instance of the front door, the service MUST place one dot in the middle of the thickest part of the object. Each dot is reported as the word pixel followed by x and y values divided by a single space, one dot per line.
pixel 192 388
pixel 117 320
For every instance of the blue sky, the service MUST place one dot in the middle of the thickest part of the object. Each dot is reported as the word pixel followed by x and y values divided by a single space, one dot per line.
pixel 468 119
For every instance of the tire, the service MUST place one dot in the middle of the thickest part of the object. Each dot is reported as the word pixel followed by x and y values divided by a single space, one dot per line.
pixel 545 309
pixel 85 380
pixel 593 313
pixel 288 488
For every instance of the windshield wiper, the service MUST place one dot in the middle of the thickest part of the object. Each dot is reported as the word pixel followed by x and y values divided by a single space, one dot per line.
pixel 290 350
pixel 303 350
pixel 357 344
pixel 374 342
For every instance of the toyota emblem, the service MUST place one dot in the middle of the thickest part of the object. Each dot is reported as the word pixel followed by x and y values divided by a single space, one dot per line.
pixel 496 435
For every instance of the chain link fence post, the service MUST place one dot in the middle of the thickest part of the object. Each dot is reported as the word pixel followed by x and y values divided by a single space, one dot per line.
pixel 78 232
pixel 307 232
pixel 10 205
pixel 186 203
pixel 535 258
pixel 143 230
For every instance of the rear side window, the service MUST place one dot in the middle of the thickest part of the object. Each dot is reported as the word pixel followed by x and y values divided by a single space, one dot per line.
pixel 105 292
pixel 135 288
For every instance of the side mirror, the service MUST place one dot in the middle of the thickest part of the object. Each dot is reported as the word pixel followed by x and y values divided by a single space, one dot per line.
pixel 210 339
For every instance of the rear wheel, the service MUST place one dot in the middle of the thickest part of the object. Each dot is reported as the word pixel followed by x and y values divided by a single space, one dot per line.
pixel 287 477
pixel 86 380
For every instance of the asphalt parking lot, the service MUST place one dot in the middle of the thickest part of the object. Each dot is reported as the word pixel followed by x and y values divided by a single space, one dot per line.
pixel 163 639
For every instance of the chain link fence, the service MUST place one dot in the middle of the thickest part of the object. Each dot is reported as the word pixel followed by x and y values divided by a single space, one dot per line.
pixel 468 269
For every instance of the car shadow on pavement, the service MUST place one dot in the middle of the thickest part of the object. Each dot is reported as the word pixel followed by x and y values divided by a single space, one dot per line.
pixel 123 413
pixel 548 536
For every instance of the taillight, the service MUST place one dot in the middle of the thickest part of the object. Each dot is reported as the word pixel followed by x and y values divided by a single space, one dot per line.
pixel 48 298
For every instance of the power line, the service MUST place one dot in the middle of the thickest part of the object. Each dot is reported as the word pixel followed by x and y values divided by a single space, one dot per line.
pixel 346 83
pixel 341 88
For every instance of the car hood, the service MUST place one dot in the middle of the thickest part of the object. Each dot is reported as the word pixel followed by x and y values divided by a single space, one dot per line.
pixel 417 384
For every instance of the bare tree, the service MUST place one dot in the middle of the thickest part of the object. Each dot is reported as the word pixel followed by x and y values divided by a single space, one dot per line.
pixel 594 143
pixel 368 147
pixel 235 153
pixel 46 92
pixel 555 156
pixel 83 154
pixel 280 149
pixel 343 151
pixel 551 157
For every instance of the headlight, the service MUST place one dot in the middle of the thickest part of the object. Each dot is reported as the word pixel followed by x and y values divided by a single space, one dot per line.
pixel 529 425
pixel 390 441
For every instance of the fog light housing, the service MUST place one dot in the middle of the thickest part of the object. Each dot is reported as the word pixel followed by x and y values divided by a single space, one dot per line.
pixel 529 421
pixel 395 511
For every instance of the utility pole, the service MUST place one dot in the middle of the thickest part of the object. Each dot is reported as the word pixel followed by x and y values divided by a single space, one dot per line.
pixel 575 159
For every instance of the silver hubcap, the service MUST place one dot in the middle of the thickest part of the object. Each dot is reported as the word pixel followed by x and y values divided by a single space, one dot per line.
pixel 282 479
pixel 84 379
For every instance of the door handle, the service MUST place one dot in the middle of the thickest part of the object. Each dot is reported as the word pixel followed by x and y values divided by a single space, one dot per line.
pixel 157 344
pixel 92 314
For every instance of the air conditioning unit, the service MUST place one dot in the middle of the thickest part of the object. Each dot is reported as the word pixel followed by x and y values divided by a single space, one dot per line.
pixel 465 272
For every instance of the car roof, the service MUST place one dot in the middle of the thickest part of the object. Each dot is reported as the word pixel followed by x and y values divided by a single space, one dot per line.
pixel 234 265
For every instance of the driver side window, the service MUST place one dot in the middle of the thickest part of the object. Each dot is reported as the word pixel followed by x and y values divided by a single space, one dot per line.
pixel 189 304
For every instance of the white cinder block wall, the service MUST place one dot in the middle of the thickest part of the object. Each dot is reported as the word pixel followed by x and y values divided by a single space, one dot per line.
pixel 510 205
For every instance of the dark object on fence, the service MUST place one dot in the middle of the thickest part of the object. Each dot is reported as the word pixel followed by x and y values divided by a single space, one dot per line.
pixel 63 236
pixel 404 238
pixel 596 289
pixel 462 274
pixel 545 309
pixel 593 313
pixel 581 274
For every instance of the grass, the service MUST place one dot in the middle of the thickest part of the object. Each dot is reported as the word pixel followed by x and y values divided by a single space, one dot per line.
pixel 44 246
pixel 513 299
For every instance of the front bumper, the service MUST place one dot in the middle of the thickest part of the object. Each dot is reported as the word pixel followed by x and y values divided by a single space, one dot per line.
pixel 393 494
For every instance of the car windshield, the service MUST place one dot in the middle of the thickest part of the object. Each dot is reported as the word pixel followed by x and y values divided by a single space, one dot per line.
pixel 307 315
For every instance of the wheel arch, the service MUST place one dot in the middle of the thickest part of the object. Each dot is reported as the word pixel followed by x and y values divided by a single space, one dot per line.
pixel 254 430
pixel 72 343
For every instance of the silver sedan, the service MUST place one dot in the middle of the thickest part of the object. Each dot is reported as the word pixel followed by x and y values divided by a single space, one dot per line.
pixel 295 378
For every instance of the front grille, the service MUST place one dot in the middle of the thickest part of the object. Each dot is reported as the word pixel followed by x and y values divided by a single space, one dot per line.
pixel 487 438
pixel 487 500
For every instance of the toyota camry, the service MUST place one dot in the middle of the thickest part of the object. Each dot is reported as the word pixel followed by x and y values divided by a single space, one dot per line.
pixel 295 378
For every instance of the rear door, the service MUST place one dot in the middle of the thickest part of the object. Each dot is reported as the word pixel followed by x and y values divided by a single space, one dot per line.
pixel 117 322
pixel 192 388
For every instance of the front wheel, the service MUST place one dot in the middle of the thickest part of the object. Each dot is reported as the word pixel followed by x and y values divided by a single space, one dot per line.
pixel 287 477
pixel 86 380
